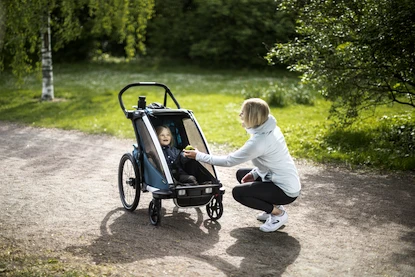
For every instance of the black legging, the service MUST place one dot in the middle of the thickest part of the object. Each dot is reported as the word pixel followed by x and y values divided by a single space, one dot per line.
pixel 259 195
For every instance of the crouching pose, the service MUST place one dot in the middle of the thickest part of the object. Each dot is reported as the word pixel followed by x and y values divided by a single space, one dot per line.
pixel 274 180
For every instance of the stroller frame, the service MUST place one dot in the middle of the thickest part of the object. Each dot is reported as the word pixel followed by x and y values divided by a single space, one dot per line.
pixel 145 169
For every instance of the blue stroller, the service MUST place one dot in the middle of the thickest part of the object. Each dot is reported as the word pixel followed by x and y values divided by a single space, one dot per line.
pixel 145 169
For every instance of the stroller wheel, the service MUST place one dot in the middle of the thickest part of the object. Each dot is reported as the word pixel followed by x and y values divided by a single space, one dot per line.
pixel 215 208
pixel 154 211
pixel 129 182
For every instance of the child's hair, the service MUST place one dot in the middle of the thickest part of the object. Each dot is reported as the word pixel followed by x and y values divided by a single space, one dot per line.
pixel 254 112
pixel 159 129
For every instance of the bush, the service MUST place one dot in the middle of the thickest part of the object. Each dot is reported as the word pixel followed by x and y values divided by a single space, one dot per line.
pixel 282 94
pixel 398 132
pixel 390 138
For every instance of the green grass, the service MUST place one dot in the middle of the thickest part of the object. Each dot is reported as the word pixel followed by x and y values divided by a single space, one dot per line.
pixel 17 262
pixel 86 100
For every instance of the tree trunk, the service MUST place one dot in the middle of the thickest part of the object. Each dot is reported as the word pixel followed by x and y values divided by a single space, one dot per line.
pixel 2 25
pixel 47 69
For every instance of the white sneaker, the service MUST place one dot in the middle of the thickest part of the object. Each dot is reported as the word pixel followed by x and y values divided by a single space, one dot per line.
pixel 264 216
pixel 274 222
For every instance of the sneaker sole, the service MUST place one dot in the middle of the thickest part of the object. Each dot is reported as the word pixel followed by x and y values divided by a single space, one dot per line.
pixel 270 231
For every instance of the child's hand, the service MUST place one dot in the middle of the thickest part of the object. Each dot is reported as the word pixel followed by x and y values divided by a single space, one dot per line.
pixel 191 154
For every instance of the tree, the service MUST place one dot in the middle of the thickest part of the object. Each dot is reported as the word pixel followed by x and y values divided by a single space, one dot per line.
pixel 26 26
pixel 47 69
pixel 220 32
pixel 360 54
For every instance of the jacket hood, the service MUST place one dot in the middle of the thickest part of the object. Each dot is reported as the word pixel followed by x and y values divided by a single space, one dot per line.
pixel 267 127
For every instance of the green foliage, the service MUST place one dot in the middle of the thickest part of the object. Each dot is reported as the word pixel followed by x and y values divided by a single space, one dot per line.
pixel 398 134
pixel 359 54
pixel 358 146
pixel 220 32
pixel 390 138
pixel 282 94
pixel 122 21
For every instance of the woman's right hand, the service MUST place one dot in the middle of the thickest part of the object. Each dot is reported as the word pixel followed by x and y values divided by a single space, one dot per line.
pixel 248 178
pixel 191 154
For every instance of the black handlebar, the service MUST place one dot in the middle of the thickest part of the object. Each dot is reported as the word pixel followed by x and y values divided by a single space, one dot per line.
pixel 166 91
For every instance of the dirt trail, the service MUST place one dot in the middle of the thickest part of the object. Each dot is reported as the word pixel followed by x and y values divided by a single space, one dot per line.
pixel 59 195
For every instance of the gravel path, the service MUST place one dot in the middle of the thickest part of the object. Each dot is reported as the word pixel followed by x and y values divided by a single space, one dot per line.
pixel 59 196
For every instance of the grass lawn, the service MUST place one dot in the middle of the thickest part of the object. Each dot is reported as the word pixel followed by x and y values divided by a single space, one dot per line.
pixel 86 100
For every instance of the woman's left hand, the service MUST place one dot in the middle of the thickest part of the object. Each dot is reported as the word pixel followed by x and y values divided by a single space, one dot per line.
pixel 248 178
pixel 191 154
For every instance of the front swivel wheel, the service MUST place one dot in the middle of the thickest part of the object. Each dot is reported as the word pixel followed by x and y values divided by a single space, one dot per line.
pixel 215 208
pixel 154 211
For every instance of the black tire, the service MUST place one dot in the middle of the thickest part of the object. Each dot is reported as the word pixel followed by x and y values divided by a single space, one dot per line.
pixel 154 212
pixel 129 182
pixel 215 208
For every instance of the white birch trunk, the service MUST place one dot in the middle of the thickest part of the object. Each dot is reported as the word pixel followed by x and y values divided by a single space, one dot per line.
pixel 47 69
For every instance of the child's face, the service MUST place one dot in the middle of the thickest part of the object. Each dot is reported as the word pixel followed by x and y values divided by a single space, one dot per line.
pixel 164 137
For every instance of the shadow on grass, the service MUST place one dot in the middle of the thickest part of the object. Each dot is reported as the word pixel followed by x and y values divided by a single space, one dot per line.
pixel 74 113
pixel 380 147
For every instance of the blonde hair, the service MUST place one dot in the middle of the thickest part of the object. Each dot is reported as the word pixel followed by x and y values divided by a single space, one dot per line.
pixel 254 112
pixel 159 129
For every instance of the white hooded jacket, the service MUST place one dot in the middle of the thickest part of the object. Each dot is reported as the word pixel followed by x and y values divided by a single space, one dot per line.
pixel 268 152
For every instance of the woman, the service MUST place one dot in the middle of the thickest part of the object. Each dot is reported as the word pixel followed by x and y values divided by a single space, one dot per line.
pixel 274 180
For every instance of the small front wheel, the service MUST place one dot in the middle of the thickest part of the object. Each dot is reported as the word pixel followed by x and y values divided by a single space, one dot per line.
pixel 215 208
pixel 129 182
pixel 154 211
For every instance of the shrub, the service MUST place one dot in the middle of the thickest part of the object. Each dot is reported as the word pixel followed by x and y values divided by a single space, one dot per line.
pixel 388 143
pixel 399 133
pixel 282 94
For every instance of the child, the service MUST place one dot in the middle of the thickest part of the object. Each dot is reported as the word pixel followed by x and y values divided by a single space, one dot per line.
pixel 175 159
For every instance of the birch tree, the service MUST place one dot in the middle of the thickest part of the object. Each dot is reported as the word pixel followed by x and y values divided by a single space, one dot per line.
pixel 25 35
pixel 47 69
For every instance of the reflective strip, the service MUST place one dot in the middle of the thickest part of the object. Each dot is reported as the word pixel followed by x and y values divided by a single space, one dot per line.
pixel 158 148
pixel 151 189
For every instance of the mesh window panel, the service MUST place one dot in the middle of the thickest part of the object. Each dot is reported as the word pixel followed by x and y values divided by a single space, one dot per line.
pixel 196 140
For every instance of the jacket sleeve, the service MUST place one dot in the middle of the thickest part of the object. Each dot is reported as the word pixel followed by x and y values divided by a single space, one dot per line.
pixel 249 151
pixel 254 173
